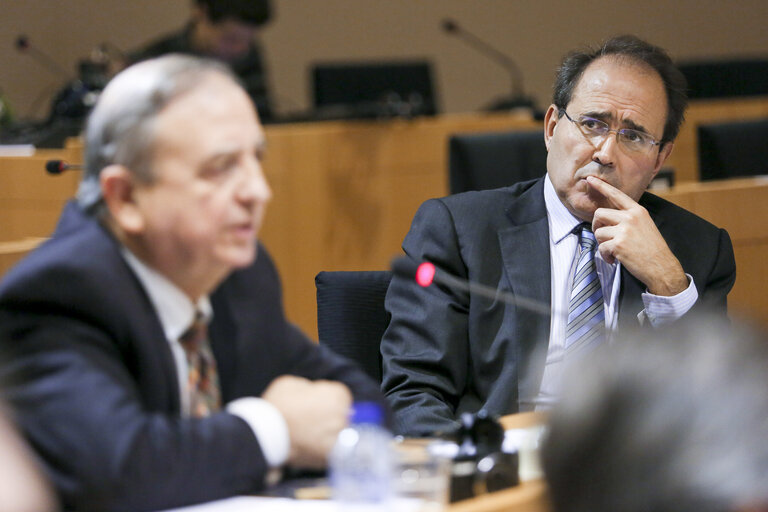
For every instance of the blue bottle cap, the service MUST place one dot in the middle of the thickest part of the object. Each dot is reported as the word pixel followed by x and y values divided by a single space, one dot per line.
pixel 367 413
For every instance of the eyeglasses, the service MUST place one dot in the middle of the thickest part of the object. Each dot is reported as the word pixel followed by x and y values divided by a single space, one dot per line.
pixel 596 130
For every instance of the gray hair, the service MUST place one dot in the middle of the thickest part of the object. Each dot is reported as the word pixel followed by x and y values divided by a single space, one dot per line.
pixel 675 421
pixel 120 128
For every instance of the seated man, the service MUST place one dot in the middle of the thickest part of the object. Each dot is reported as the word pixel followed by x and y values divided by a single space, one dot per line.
pixel 674 422
pixel 615 114
pixel 114 379
pixel 224 30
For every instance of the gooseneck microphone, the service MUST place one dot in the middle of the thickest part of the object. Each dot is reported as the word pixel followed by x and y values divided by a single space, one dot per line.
pixel 59 166
pixel 452 28
pixel 24 46
pixel 426 273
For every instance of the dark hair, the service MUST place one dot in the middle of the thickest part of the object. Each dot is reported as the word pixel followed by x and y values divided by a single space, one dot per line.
pixel 252 12
pixel 671 422
pixel 630 47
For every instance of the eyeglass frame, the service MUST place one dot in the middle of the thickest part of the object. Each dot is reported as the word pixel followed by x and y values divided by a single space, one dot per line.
pixel 620 131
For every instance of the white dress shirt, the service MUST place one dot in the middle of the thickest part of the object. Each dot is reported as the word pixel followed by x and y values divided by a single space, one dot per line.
pixel 563 248
pixel 177 312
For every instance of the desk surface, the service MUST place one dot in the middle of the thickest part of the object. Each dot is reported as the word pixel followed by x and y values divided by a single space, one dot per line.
pixel 528 497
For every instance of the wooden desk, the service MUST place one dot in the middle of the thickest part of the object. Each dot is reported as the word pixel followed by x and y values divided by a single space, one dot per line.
pixel 345 194
pixel 741 207
pixel 527 497
pixel 30 199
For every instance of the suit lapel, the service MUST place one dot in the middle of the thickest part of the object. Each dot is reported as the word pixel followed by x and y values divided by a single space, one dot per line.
pixel 146 350
pixel 525 254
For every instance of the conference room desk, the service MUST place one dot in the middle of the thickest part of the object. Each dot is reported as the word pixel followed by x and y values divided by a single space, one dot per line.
pixel 529 496
pixel 345 194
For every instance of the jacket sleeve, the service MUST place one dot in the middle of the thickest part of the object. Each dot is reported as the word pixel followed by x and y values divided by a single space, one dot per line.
pixel 269 345
pixel 103 449
pixel 720 278
pixel 425 348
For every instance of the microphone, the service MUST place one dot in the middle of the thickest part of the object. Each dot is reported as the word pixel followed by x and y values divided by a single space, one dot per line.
pixel 426 273
pixel 24 46
pixel 59 166
pixel 518 98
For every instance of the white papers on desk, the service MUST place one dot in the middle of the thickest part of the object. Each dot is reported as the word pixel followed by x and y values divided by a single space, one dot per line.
pixel 17 150
pixel 262 504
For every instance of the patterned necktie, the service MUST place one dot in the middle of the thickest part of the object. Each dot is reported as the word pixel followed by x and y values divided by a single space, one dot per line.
pixel 203 382
pixel 586 313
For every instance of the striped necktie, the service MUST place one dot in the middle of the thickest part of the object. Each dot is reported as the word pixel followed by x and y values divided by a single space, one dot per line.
pixel 586 313
pixel 203 382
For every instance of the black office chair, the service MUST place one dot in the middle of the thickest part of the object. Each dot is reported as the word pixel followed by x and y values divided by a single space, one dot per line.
pixel 350 315
pixel 729 150
pixel 481 161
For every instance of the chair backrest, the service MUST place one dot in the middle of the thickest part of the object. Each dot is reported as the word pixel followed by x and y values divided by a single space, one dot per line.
pixel 728 150
pixel 481 161
pixel 374 89
pixel 351 318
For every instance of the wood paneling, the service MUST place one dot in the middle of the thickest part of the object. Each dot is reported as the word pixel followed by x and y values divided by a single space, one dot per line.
pixel 345 194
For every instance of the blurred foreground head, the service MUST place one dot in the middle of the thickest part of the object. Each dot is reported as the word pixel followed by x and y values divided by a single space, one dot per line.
pixel 677 421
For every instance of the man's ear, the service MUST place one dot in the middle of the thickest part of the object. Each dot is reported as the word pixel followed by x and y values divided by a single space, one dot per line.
pixel 664 153
pixel 119 191
pixel 550 121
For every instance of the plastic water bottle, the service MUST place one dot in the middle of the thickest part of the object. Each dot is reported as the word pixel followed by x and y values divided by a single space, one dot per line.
pixel 361 461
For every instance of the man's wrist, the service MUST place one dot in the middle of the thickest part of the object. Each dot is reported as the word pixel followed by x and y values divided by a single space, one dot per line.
pixel 268 426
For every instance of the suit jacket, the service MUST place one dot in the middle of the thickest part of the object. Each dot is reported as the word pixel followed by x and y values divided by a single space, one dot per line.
pixel 88 369
pixel 447 351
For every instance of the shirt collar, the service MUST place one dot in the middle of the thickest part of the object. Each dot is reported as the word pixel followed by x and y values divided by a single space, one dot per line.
pixel 175 310
pixel 561 221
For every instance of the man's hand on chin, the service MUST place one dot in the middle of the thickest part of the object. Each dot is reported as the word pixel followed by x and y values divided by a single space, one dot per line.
pixel 627 233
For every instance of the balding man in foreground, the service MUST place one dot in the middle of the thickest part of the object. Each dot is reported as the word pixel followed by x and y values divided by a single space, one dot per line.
pixel 146 351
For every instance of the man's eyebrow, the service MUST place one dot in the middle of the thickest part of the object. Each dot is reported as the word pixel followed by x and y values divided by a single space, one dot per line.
pixel 219 156
pixel 628 123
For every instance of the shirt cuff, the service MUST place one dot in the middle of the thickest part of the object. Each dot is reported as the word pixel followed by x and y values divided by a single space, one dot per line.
pixel 660 310
pixel 268 426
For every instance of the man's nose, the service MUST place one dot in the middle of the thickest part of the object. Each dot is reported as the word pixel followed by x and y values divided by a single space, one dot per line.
pixel 254 186
pixel 605 150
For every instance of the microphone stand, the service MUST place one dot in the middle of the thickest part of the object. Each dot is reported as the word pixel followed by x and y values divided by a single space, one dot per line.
pixel 517 99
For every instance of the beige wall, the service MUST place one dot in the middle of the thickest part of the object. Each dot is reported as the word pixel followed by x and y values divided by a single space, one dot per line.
pixel 536 33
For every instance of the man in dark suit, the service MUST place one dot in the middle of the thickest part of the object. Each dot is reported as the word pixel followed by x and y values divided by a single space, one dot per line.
pixel 226 30
pixel 129 407
pixel 615 114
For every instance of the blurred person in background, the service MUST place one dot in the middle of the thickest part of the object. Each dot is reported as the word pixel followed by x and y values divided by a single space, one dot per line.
pixel 224 30
pixel 677 421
